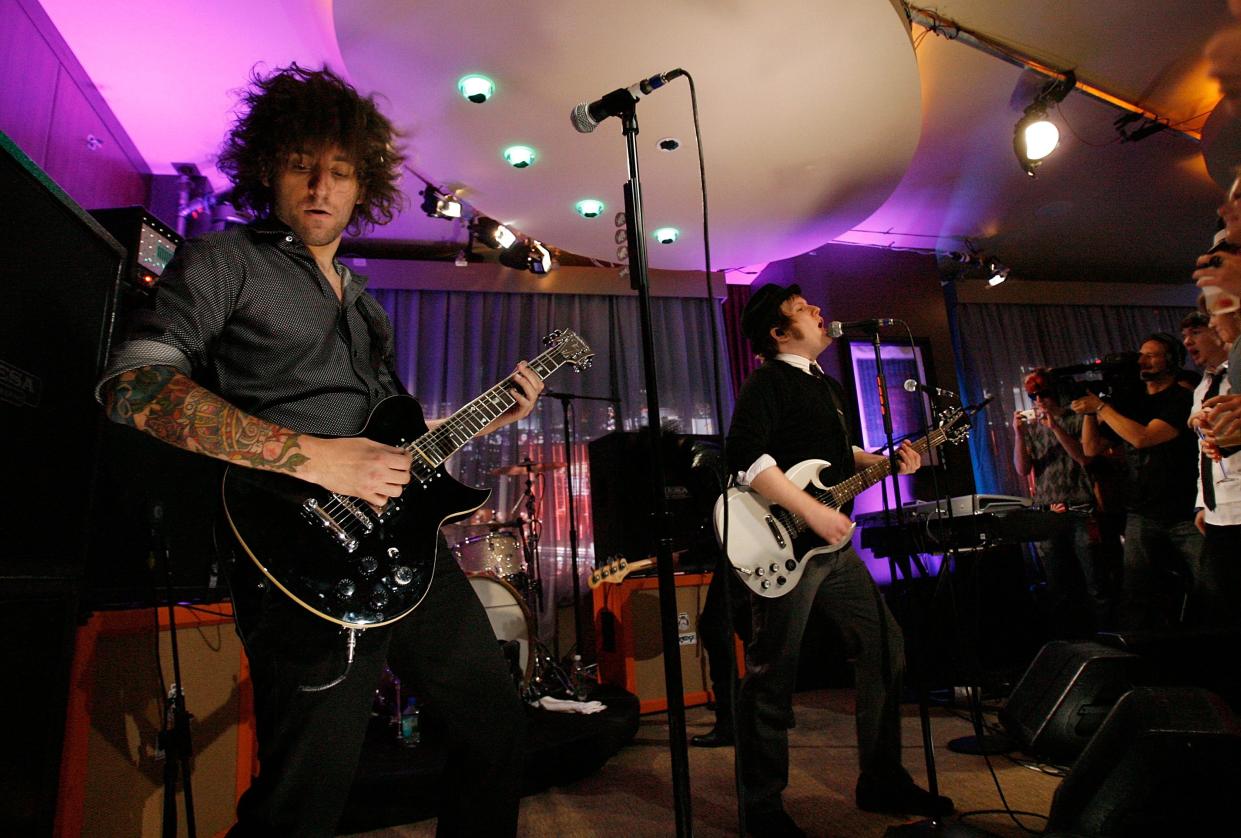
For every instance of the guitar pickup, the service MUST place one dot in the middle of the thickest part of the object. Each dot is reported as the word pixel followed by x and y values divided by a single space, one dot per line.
pixel 312 510
pixel 775 531
pixel 356 511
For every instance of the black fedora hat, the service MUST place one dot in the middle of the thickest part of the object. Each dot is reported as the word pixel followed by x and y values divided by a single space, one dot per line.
pixel 763 310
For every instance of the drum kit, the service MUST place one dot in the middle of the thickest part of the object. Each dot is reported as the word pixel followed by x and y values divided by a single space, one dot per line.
pixel 501 558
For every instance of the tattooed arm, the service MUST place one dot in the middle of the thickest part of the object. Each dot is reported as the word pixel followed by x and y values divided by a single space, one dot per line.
pixel 168 405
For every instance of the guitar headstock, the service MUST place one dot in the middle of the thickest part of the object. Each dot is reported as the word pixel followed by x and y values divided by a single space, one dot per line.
pixel 614 571
pixel 952 421
pixel 570 347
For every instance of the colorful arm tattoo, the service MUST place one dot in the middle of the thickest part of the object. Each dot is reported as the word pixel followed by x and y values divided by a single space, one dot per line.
pixel 169 406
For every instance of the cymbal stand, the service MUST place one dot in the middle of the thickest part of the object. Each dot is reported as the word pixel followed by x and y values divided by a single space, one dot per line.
pixel 532 533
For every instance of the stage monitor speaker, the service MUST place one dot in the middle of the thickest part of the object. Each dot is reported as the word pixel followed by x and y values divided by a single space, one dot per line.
pixel 622 503
pixel 1167 761
pixel 59 272
pixel 1064 696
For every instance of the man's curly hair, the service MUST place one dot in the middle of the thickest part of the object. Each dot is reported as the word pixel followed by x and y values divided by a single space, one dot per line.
pixel 293 109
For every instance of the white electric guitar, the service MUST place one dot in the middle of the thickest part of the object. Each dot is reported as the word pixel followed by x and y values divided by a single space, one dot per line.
pixel 767 544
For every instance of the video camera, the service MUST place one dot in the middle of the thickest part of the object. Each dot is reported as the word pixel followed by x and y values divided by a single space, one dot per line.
pixel 1115 376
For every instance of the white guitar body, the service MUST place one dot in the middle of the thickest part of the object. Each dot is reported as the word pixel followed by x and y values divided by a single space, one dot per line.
pixel 766 544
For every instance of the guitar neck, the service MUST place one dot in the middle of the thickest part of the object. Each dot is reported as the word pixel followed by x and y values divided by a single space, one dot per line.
pixel 847 490
pixel 438 445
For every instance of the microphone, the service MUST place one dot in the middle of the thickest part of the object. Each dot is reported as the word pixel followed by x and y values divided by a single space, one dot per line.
pixel 586 118
pixel 836 328
pixel 912 386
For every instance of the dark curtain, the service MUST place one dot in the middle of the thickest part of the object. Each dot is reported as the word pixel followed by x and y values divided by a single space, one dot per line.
pixel 451 346
pixel 741 358
pixel 999 344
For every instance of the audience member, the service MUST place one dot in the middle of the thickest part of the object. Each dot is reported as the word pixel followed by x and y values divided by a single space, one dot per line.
pixel 1160 536
pixel 1217 592
pixel 1048 450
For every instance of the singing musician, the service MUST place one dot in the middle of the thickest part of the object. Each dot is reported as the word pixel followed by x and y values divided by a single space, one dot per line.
pixel 789 411
pixel 261 349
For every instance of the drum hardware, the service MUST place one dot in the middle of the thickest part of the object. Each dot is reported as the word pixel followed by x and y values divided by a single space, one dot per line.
pixel 527 467
pixel 510 619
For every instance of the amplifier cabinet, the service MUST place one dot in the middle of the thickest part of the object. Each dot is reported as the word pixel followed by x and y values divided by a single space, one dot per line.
pixel 630 645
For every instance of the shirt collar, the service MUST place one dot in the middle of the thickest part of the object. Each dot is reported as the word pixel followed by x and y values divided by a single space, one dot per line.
pixel 800 361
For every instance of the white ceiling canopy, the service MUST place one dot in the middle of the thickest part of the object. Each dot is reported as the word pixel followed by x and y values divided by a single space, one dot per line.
pixel 810 116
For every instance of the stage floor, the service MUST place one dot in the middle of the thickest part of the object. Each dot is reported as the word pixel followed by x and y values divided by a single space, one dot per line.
pixel 631 795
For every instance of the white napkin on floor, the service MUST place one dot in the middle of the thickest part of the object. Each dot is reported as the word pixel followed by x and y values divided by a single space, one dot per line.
pixel 561 705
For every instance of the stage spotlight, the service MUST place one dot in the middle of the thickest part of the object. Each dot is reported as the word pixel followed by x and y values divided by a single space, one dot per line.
pixel 493 233
pixel 438 205
pixel 667 235
pixel 540 258
pixel 476 88
pixel 1035 136
pixel 527 255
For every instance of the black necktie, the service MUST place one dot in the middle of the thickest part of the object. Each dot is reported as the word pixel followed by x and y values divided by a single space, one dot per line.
pixel 1208 472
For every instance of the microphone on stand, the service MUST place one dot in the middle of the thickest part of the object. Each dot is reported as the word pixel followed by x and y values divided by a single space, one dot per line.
pixel 837 328
pixel 586 117
pixel 913 386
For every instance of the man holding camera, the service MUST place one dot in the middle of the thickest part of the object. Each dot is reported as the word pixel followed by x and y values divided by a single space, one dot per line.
pixel 1048 450
pixel 1160 454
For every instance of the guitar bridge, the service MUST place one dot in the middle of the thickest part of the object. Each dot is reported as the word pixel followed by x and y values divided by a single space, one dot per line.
pixel 775 531
pixel 312 510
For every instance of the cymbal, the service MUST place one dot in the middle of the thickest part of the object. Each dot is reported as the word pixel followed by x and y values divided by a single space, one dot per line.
pixel 525 468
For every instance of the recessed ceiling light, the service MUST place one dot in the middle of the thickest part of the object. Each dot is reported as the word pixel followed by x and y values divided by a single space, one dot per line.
pixel 669 144
pixel 476 88
pixel 520 156
pixel 667 235
pixel 589 207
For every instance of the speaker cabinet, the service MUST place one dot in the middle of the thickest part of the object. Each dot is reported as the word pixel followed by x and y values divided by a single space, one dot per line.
pixel 113 784
pixel 630 643
pixel 622 502
pixel 1167 761
pixel 1064 696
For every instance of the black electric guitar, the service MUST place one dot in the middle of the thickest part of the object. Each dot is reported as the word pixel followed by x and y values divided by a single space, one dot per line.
pixel 336 555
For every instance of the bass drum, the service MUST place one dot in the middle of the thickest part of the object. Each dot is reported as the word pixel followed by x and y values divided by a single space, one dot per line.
pixel 498 553
pixel 509 616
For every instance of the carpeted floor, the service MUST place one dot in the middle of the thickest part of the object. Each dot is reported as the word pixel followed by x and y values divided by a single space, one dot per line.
pixel 631 796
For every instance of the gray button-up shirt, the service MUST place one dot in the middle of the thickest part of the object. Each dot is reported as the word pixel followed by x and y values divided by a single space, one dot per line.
pixel 248 315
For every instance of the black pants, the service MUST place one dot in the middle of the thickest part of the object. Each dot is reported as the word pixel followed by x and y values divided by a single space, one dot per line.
pixel 445 653
pixel 839 585
pixel 725 589
pixel 1217 593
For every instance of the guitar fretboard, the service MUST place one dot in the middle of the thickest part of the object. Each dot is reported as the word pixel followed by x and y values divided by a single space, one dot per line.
pixel 434 447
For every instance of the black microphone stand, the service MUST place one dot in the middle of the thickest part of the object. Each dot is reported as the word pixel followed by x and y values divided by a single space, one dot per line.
pixel 174 739
pixel 885 407
pixel 679 748
pixel 565 399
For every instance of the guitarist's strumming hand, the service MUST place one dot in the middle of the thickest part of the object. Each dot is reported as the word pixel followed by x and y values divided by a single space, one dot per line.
pixel 826 522
pixel 356 466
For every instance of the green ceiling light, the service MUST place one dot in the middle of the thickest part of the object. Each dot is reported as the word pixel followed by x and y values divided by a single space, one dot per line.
pixel 589 208
pixel 476 88
pixel 667 235
pixel 520 156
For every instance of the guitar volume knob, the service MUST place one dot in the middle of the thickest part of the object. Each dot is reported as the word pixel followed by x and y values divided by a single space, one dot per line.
pixel 766 584
pixel 775 568
pixel 345 588
pixel 367 565
pixel 790 565
pixel 402 575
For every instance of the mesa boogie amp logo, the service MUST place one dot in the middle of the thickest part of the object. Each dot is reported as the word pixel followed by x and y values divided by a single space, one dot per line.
pixel 19 387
